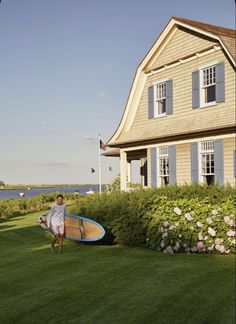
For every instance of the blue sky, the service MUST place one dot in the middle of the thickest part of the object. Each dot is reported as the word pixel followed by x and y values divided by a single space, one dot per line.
pixel 66 69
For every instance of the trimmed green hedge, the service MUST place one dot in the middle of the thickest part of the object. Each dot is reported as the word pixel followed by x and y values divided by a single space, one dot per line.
pixel 16 207
pixel 171 219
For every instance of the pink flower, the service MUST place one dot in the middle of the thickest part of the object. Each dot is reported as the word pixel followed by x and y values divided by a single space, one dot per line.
pixel 200 237
pixel 231 233
pixel 200 246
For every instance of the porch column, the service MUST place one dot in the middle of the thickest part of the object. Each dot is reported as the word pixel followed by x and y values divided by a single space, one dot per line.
pixel 123 170
pixel 129 171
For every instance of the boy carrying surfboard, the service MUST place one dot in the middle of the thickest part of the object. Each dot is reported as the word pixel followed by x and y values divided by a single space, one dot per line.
pixel 56 222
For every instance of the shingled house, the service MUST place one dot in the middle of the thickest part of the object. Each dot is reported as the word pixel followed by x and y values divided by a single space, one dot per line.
pixel 179 120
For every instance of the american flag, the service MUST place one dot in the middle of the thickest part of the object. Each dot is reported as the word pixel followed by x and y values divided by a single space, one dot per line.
pixel 102 146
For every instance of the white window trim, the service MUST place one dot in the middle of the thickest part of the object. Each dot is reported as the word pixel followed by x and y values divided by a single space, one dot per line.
pixel 200 176
pixel 201 68
pixel 158 168
pixel 155 83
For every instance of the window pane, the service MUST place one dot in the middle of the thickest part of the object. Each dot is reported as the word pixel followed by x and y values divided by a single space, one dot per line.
pixel 161 106
pixel 210 94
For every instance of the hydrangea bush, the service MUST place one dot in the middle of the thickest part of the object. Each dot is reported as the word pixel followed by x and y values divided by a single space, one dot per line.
pixel 190 226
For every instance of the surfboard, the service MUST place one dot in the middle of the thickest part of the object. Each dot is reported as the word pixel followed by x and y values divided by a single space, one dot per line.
pixel 78 228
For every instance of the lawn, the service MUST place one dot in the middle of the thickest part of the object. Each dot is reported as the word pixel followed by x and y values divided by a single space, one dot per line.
pixel 108 284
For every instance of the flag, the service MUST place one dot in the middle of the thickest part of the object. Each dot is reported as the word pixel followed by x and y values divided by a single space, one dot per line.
pixel 110 168
pixel 92 170
pixel 102 146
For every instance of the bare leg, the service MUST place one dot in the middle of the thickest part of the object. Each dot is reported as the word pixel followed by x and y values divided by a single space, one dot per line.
pixel 60 244
pixel 54 240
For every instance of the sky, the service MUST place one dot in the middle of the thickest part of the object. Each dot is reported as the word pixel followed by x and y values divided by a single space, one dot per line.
pixel 66 68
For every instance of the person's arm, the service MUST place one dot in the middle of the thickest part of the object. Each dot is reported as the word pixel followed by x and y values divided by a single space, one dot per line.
pixel 49 216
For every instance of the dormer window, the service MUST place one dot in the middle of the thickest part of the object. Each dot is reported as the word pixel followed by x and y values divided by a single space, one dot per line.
pixel 209 84
pixel 160 102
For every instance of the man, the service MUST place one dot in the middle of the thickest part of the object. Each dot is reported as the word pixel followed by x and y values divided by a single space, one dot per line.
pixel 55 222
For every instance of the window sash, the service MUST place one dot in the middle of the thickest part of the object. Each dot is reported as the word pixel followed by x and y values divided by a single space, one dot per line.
pixel 161 91
pixel 207 164
pixel 209 76
pixel 163 166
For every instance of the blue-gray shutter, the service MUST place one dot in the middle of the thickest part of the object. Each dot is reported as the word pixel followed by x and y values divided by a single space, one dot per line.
pixel 151 102
pixel 234 163
pixel 220 82
pixel 169 97
pixel 172 163
pixel 219 161
pixel 154 167
pixel 196 89
pixel 194 162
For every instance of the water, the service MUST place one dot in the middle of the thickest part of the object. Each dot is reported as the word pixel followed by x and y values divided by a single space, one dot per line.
pixel 15 193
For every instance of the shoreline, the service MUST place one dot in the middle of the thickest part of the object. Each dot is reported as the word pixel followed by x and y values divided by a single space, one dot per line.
pixel 25 187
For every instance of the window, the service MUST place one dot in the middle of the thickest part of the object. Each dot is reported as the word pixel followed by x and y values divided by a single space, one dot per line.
pixel 160 99
pixel 209 85
pixel 207 161
pixel 163 163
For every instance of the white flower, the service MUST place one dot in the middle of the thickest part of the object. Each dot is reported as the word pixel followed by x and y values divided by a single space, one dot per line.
pixel 231 233
pixel 192 228
pixel 188 217
pixel 214 212
pixel 164 235
pixel 161 229
pixel 200 237
pixel 231 223
pixel 194 249
pixel 220 248
pixel 200 246
pixel 184 245
pixel 209 220
pixel 227 251
pixel 180 235
pixel 176 224
pixel 205 237
pixel 177 210
pixel 168 250
pixel 226 219
pixel 199 224
pixel 210 248
pixel 166 224
pixel 233 241
pixel 218 241
pixel 171 227
pixel 162 244
pixel 211 231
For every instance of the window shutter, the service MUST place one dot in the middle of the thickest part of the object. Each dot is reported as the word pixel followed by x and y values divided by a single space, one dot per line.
pixel 169 97
pixel 195 89
pixel 234 158
pixel 220 82
pixel 219 161
pixel 151 102
pixel 154 167
pixel 194 162
pixel 172 164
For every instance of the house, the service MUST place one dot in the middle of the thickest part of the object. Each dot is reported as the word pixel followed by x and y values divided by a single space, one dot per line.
pixel 179 120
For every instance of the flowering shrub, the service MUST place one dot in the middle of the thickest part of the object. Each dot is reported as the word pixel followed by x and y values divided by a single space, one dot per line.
pixel 190 226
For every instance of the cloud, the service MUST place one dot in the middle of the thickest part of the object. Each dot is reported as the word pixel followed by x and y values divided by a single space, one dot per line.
pixel 51 130
pixel 45 122
pixel 88 139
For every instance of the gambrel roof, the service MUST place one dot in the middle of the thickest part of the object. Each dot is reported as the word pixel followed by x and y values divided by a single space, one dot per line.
pixel 224 37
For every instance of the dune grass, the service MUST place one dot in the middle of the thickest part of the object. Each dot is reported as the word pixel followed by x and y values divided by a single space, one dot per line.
pixel 108 284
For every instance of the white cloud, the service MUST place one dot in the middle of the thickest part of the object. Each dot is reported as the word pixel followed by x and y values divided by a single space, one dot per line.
pixel 101 94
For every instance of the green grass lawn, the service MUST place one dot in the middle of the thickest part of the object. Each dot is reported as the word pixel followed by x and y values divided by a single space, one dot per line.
pixel 108 284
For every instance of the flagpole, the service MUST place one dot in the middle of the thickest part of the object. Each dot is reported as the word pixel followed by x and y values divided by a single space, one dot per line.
pixel 99 166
